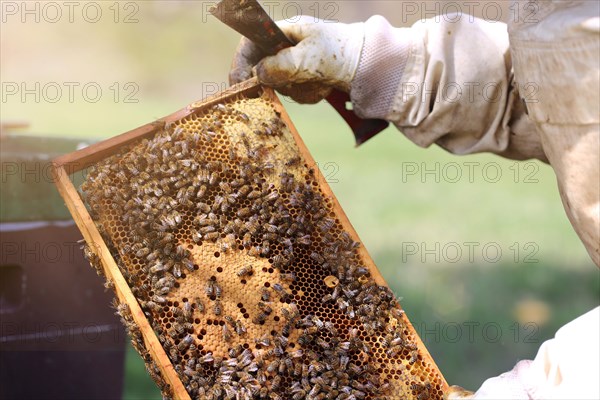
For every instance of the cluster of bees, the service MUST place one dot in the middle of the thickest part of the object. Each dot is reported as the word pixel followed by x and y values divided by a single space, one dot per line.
pixel 218 180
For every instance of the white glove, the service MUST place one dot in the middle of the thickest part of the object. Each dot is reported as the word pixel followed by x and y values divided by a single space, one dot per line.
pixel 566 367
pixel 326 56
pixel 455 392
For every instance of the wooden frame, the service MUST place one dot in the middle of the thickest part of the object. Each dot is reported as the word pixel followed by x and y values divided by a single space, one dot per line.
pixel 68 164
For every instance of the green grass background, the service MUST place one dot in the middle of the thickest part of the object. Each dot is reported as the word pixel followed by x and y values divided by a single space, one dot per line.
pixel 175 53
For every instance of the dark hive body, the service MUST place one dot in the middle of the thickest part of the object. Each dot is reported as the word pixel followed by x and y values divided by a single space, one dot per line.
pixel 242 267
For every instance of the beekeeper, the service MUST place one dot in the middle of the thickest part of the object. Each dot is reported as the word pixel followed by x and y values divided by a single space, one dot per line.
pixel 529 90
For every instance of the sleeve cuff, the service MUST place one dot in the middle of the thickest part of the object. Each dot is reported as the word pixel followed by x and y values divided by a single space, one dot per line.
pixel 384 56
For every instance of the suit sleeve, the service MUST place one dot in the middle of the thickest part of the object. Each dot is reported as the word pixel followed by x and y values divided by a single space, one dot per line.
pixel 447 81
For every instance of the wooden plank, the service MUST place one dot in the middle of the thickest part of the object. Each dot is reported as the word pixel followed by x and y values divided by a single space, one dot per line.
pixel 95 241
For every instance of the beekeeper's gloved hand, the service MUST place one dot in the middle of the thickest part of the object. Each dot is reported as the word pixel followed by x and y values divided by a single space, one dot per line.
pixel 326 56
pixel 457 393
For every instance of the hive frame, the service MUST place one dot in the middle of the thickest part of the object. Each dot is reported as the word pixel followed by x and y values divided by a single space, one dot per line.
pixel 68 164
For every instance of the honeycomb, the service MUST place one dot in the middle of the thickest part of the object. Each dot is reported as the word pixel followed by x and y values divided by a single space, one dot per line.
pixel 243 268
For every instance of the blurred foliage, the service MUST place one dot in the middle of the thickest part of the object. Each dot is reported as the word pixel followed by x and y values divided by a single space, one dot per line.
pixel 175 54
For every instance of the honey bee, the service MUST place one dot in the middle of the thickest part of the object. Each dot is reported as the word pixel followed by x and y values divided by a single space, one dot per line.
pixel 159 299
pixel 178 328
pixel 290 314
pixel 185 343
pixel 414 356
pixel 265 249
pixel 218 290
pixel 299 394
pixel 304 240
pixel 209 288
pixel 212 236
pixel 260 318
pixel 247 240
pixel 226 187
pixel 279 261
pixel 410 346
pixel 227 336
pixel 245 271
pixel 109 284
pixel 152 306
pixel 326 224
pixel 276 382
pixel 176 271
pixel 213 179
pixel 244 212
pixel 273 366
pixel 327 298
pixel 142 252
pixel 350 312
pixel 206 358
pixel 292 162
pixel 272 196
pixel 173 353
pixel 203 207
pixel 392 352
pixel 235 351
pixel 288 277
pixel 311 330
pixel 316 366
pixel 201 192
pixel 156 268
pixel 317 257
pixel 287 182
pixel 292 229
pixel 244 117
pixel 286 329
pixel 265 294
pixel 207 229
pixel 187 310
pixel 240 329
pixel 252 226
pixel 265 308
pixel 331 328
pixel 397 313
pixel 217 308
pixel 278 288
pixel 263 341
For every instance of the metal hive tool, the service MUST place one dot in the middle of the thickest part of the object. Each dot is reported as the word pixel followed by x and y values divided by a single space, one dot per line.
pixel 236 271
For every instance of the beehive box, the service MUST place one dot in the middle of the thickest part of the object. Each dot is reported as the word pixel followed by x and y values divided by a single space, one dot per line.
pixel 236 271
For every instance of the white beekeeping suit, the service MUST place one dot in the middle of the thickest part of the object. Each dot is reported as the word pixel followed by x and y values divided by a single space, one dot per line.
pixel 527 90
